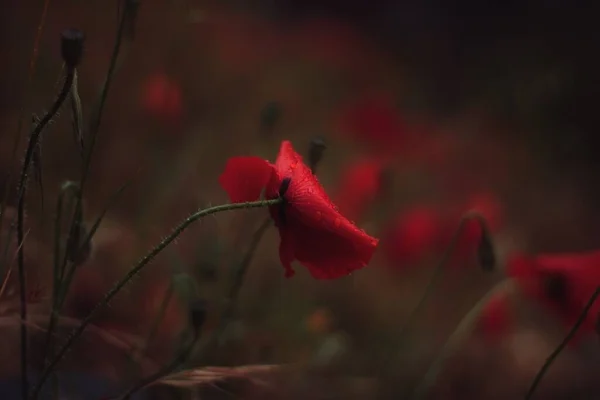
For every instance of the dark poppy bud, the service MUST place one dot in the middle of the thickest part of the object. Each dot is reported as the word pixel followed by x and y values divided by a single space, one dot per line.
pixel 485 252
pixel 556 287
pixel 79 249
pixel 131 8
pixel 283 188
pixel 71 47
pixel 315 152
pixel 197 313
pixel 270 115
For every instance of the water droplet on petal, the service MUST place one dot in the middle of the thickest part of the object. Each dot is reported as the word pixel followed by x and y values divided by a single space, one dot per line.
pixel 337 222
pixel 319 215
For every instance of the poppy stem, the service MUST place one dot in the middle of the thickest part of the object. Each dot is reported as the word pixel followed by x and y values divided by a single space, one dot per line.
pixel 240 272
pixel 552 357
pixel 31 146
pixel 77 332
pixel 463 329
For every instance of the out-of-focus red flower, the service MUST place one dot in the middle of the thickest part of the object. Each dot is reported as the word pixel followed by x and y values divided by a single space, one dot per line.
pixel 161 97
pixel 413 234
pixel 374 120
pixel 360 185
pixel 311 228
pixel 496 318
pixel 562 283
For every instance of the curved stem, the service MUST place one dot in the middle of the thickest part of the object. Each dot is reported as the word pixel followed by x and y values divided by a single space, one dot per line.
pixel 552 357
pixel 136 269
pixel 33 141
pixel 462 330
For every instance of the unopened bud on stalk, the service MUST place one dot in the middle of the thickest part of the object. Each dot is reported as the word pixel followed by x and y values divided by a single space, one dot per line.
pixel 270 115
pixel 197 313
pixel 556 287
pixel 71 47
pixel 79 249
pixel 131 8
pixel 316 148
pixel 485 251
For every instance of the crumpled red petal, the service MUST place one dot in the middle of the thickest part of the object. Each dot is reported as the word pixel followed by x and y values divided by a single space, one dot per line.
pixel 244 178
pixel 314 231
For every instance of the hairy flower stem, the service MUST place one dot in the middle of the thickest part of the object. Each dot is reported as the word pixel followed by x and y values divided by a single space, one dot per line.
pixel 552 357
pixel 457 337
pixel 136 270
pixel 33 141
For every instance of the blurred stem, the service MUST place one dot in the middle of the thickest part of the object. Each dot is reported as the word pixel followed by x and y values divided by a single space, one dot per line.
pixel 58 272
pixel 438 271
pixel 552 357
pixel 33 141
pixel 136 270
pixel 461 332
pixel 240 272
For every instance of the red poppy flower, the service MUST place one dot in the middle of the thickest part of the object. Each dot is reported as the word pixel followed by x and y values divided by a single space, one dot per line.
pixel 162 97
pixel 374 120
pixel 360 186
pixel 562 283
pixel 413 234
pixel 311 228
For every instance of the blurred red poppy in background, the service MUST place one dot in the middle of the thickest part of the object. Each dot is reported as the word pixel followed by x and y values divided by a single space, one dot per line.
pixel 374 120
pixel 311 228
pixel 412 235
pixel 562 283
pixel 161 97
pixel 360 186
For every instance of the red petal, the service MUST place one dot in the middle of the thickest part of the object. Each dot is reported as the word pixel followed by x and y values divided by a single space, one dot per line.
pixel 244 178
pixel 326 254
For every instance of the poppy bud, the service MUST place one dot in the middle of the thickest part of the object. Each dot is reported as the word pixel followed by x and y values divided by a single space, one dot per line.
pixel 270 115
pixel 555 286
pixel 131 8
pixel 485 251
pixel 197 313
pixel 283 188
pixel 71 47
pixel 315 152
pixel 79 249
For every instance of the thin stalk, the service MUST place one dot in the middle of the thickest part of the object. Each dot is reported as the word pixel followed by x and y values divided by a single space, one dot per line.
pixel 455 339
pixel 552 357
pixel 33 141
pixel 136 269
